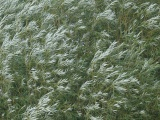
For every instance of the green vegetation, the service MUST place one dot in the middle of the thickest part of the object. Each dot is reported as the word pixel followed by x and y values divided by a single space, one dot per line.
pixel 79 60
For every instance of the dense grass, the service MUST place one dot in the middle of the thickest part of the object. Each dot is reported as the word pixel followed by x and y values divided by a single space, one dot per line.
pixel 79 60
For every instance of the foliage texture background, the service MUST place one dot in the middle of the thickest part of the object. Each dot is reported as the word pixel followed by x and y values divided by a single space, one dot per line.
pixel 79 60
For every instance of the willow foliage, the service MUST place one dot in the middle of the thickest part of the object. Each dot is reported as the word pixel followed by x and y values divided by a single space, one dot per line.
pixel 79 60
